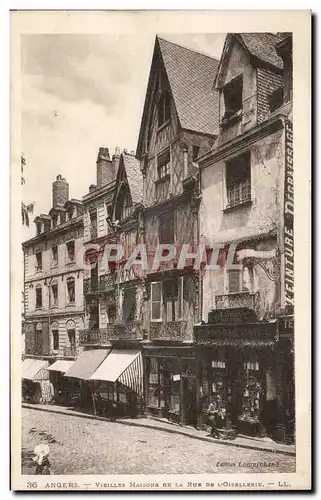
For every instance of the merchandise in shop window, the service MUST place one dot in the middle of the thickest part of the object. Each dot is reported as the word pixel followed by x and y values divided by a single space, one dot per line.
pixel 251 394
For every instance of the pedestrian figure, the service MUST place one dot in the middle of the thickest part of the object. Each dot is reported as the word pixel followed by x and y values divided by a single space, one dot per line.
pixel 212 418
pixel 42 459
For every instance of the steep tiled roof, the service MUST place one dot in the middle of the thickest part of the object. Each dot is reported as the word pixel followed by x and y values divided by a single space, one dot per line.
pixel 191 77
pixel 134 177
pixel 262 46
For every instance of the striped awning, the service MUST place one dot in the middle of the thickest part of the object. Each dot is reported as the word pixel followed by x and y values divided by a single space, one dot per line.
pixel 62 365
pixel 87 363
pixel 123 366
pixel 32 369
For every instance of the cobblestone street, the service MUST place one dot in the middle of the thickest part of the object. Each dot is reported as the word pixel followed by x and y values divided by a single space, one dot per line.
pixel 85 446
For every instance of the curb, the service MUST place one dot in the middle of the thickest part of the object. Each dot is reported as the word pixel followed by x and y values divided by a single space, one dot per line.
pixel 163 429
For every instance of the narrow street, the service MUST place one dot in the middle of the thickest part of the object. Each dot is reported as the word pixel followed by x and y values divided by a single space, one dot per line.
pixel 84 446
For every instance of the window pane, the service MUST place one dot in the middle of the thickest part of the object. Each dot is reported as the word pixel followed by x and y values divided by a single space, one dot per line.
pixel 156 310
pixel 156 292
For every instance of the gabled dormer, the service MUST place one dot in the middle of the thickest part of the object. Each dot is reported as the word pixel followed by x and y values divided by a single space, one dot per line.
pixel 58 216
pixel 73 208
pixel 249 81
pixel 42 223
pixel 129 187
pixel 180 118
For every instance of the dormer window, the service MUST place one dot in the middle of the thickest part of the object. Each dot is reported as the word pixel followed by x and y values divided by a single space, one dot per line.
pixel 233 97
pixel 70 213
pixel 39 228
pixel 164 108
pixel 54 221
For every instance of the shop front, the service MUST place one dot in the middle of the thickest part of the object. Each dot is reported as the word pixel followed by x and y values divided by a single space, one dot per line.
pixel 63 387
pixel 36 386
pixel 237 372
pixel 117 385
pixel 171 384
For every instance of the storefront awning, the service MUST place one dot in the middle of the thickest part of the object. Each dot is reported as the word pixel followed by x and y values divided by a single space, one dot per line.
pixel 125 367
pixel 61 365
pixel 32 367
pixel 87 363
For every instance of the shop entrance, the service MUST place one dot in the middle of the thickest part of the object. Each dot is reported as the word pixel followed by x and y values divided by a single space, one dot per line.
pixel 189 408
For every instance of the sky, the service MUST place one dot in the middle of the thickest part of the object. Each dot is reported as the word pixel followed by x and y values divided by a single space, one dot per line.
pixel 81 92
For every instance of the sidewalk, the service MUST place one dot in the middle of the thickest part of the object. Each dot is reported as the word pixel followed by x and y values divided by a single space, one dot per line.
pixel 261 444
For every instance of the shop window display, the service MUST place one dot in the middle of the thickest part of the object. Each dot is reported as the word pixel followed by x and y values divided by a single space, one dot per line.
pixel 219 389
pixel 251 397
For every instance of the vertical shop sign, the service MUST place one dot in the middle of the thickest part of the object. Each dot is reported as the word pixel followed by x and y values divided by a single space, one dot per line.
pixel 288 220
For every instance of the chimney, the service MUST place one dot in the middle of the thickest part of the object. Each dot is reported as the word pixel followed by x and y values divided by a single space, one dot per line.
pixel 60 192
pixel 116 158
pixel 105 168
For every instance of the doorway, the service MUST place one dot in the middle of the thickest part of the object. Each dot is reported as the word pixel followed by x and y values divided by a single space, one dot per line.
pixel 189 406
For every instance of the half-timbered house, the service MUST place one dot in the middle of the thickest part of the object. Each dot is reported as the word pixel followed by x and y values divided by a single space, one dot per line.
pixel 179 123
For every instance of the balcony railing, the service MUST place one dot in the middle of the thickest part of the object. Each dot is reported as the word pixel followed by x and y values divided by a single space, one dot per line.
pixel 127 331
pixel 97 336
pixel 173 330
pixel 237 300
pixel 102 284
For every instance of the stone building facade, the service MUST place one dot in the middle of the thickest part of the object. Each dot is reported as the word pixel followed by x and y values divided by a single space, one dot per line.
pixel 53 278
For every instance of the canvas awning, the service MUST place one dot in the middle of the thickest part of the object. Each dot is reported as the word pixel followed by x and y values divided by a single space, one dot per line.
pixel 87 363
pixel 123 366
pixel 32 367
pixel 61 365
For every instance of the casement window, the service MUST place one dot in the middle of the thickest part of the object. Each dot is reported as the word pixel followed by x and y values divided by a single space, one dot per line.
pixel 71 290
pixel 163 163
pixel 195 152
pixel 173 299
pixel 54 221
pixel 233 97
pixel 55 339
pixel 70 212
pixel 164 108
pixel 38 297
pixel 166 228
pixel 72 338
pixel 54 255
pixel 238 180
pixel 54 295
pixel 39 261
pixel 70 251
pixel 156 301
pixel 235 282
pixel 129 304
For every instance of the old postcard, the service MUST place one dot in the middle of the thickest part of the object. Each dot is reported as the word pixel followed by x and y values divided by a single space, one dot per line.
pixel 160 316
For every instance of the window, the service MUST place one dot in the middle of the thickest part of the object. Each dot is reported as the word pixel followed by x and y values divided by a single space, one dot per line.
pixel 71 290
pixel 163 163
pixel 72 338
pixel 70 251
pixel 164 108
pixel 127 204
pixel 173 299
pixel 38 297
pixel 54 295
pixel 196 151
pixel 93 224
pixel 129 304
pixel 70 213
pixel 233 97
pixel 54 221
pixel 156 301
pixel 166 228
pixel 238 180
pixel 39 228
pixel 54 256
pixel 55 340
pixel 39 261
pixel 236 282
pixel 153 387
